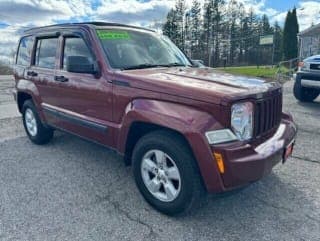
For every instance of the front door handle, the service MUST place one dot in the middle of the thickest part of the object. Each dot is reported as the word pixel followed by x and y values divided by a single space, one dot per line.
pixel 60 78
pixel 32 73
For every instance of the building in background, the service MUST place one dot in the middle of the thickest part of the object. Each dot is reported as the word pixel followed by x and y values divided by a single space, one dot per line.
pixel 309 42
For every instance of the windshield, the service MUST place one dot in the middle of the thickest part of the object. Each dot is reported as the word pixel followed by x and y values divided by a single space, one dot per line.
pixel 130 49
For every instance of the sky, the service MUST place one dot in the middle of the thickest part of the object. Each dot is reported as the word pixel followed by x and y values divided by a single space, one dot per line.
pixel 16 15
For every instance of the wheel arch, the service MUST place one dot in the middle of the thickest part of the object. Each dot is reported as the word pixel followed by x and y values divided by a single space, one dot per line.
pixel 26 90
pixel 138 129
pixel 145 116
pixel 21 98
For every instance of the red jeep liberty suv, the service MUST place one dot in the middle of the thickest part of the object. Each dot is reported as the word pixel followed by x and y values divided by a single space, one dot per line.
pixel 185 130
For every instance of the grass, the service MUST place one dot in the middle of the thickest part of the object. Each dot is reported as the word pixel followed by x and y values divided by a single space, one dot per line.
pixel 266 72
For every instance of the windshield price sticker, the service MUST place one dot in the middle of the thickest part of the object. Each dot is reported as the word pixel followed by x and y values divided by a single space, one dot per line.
pixel 106 34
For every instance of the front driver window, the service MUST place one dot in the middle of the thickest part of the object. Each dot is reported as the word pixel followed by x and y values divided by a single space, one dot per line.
pixel 75 46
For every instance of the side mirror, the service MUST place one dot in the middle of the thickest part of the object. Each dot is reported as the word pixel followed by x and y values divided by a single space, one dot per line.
pixel 81 64
pixel 198 63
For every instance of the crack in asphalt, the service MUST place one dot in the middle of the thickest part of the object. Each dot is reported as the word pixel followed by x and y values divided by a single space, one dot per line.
pixel 305 159
pixel 283 208
pixel 271 204
pixel 116 205
pixel 306 113
pixel 152 234
pixel 308 131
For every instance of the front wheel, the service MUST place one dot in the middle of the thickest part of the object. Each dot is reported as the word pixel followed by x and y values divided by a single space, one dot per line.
pixel 166 173
pixel 36 131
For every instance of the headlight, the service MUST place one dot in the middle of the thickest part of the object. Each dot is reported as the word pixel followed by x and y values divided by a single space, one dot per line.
pixel 242 120
pixel 301 65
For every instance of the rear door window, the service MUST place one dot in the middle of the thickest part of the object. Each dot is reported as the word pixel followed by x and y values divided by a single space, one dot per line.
pixel 25 51
pixel 46 53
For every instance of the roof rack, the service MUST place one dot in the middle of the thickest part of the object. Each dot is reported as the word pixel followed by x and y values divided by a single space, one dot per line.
pixel 89 23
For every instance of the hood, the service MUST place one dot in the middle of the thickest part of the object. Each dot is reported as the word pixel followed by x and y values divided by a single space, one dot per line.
pixel 315 58
pixel 203 84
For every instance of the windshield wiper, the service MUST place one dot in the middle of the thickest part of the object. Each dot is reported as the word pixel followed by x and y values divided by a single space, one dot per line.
pixel 145 66
pixel 141 66
pixel 173 65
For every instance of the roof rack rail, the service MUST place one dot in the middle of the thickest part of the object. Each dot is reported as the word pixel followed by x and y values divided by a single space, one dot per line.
pixel 90 23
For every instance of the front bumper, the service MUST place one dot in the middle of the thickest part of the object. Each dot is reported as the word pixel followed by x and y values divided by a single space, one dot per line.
pixel 249 162
pixel 308 79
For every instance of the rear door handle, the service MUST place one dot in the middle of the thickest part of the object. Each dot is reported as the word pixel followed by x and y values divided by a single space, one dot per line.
pixel 32 73
pixel 60 78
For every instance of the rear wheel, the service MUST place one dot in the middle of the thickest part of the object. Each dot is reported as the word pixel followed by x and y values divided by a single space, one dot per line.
pixel 36 131
pixel 304 94
pixel 166 173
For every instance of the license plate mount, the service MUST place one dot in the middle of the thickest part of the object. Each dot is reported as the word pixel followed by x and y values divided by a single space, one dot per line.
pixel 287 152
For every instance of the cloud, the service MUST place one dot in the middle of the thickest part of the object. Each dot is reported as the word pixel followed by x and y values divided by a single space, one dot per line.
pixel 40 12
pixel 134 12
pixel 308 13
pixel 8 43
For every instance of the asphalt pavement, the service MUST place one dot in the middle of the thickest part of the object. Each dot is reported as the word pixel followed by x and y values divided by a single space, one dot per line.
pixel 72 189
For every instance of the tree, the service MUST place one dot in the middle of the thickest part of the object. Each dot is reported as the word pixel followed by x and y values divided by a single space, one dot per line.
pixel 180 10
pixel 195 28
pixel 246 43
pixel 295 31
pixel 277 43
pixel 243 27
pixel 216 19
pixel 187 33
pixel 290 39
pixel 252 40
pixel 170 27
pixel 265 27
pixel 207 29
pixel 286 36
pixel 265 51
pixel 225 31
pixel 233 10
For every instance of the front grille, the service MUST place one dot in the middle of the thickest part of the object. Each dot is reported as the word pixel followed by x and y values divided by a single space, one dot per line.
pixel 267 114
pixel 315 66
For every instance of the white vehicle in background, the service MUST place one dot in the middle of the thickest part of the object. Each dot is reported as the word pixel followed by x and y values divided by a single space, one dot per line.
pixel 307 81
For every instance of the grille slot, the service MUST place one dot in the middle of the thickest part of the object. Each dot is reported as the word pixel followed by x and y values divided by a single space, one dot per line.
pixel 267 114
pixel 315 66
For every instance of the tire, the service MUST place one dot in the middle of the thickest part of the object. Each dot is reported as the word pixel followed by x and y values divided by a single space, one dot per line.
pixel 36 131
pixel 190 190
pixel 304 94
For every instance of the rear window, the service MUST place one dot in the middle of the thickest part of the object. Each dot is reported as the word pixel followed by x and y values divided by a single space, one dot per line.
pixel 25 51
pixel 46 53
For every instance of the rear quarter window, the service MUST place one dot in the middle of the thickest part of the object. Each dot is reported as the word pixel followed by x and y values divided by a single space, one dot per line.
pixel 25 51
pixel 46 53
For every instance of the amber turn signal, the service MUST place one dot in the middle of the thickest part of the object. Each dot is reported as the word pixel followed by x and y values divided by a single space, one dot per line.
pixel 219 160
